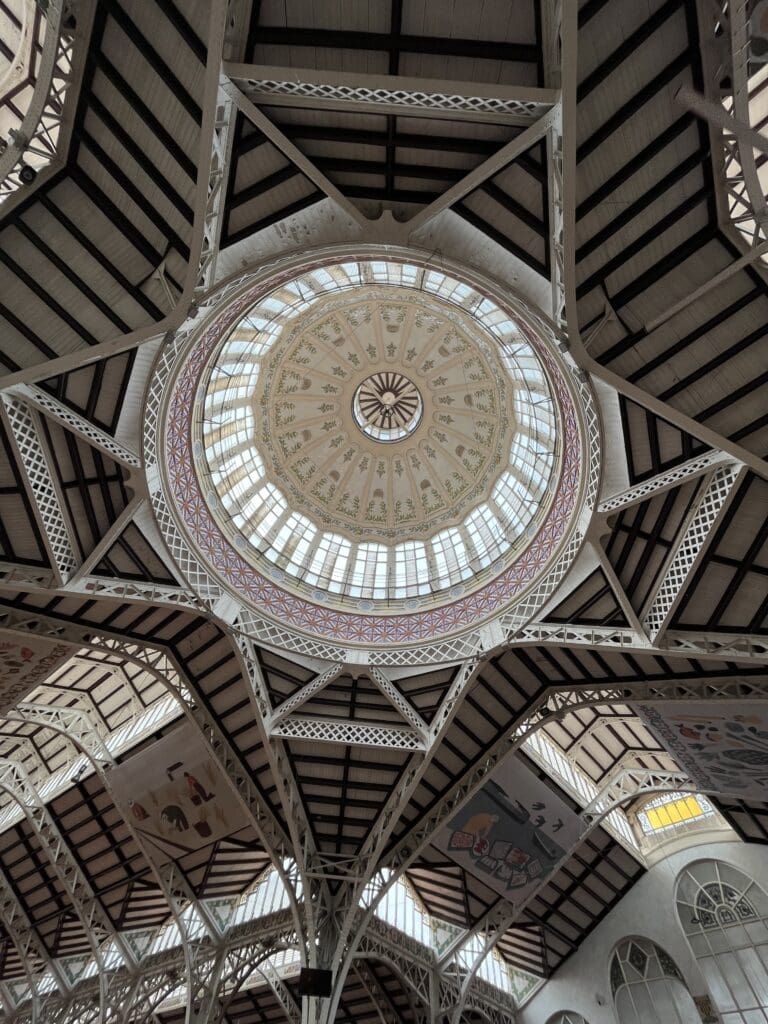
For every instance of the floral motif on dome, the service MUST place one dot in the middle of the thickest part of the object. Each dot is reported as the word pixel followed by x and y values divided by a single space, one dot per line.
pixel 550 467
pixel 442 479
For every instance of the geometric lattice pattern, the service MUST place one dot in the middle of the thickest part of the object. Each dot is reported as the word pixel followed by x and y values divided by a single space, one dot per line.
pixel 78 424
pixel 520 110
pixel 344 776
pixel 354 733
pixel 34 140
pixel 671 478
pixel 33 459
pixel 691 546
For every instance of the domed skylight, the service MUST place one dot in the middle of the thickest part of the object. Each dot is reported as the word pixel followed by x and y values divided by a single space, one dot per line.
pixel 379 431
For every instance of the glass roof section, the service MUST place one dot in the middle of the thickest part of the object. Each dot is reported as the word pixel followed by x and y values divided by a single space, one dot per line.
pixel 671 810
pixel 426 496
pixel 35 72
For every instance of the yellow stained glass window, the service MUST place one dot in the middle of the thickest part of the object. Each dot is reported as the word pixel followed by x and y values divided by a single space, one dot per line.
pixel 673 812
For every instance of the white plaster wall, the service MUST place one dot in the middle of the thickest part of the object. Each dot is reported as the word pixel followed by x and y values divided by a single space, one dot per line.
pixel 648 910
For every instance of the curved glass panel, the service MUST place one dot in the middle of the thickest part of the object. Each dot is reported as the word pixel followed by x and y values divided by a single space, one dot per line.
pixel 724 914
pixel 379 431
pixel 647 985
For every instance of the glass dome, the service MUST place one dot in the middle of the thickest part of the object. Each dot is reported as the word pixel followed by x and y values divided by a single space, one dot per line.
pixel 377 431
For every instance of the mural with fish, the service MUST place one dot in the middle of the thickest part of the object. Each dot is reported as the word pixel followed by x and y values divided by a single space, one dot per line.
pixel 723 746
pixel 512 833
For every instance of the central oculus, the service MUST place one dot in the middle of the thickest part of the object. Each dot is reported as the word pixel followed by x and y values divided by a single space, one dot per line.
pixel 387 406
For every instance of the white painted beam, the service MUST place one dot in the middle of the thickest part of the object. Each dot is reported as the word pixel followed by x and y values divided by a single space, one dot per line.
pixel 615 584
pixel 390 94
pixel 303 695
pixel 754 254
pixel 717 115
pixel 676 643
pixel 74 422
pixel 40 483
pixel 294 154
pixel 348 733
pixel 106 542
pixel 689 470
pixel 495 163
pixel 214 214
pixel 95 921
pixel 404 708
pixel 691 545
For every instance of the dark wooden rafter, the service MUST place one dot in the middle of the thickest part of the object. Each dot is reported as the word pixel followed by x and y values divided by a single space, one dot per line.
pixel 32 877
pixel 101 68
pixel 93 486
pixel 391 177
pixel 592 603
pixel 523 946
pixel 479 49
pixel 341 800
pixel 737 558
pixel 642 536
pixel 653 445
pixel 273 217
pixel 503 676
pixel 132 557
pixel 748 818
pixel 24 546
pixel 96 391
pixel 378 179
pixel 663 226
pixel 504 215
pixel 63 271
pixel 108 856
pixel 93 250
pixel 97 839
pixel 567 908
pixel 676 364
pixel 578 896
pixel 395 35
pixel 688 62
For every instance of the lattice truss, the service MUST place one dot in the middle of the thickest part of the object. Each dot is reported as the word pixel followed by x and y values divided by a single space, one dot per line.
pixel 33 129
pixel 454 979
pixel 345 772
pixel 497 108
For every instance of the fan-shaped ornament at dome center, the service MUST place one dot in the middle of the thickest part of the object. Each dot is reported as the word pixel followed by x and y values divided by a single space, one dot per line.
pixel 387 406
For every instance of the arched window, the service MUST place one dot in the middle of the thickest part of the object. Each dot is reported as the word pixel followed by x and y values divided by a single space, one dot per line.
pixel 567 1017
pixel 724 914
pixel 647 986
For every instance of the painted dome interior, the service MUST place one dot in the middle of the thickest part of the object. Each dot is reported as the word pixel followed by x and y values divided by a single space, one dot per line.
pixel 343 493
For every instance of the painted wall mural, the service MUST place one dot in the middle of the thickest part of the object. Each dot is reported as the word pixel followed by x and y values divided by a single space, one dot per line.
pixel 176 796
pixel 724 747
pixel 25 662
pixel 512 833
